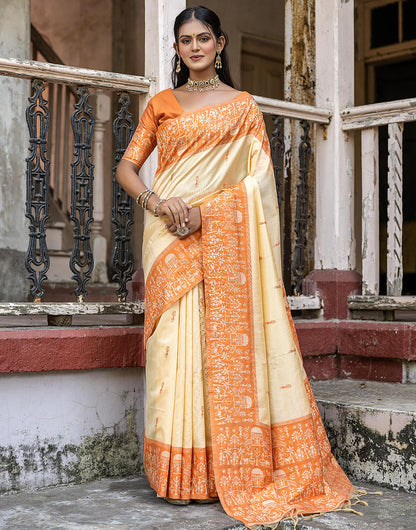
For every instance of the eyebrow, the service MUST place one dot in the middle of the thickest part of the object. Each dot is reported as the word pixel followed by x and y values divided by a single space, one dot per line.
pixel 199 34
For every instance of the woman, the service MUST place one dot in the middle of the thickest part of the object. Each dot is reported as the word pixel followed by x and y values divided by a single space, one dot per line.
pixel 229 411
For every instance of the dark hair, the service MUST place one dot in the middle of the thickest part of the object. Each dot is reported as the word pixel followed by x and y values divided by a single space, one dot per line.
pixel 211 20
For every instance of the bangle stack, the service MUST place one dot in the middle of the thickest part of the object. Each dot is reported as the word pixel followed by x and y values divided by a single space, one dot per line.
pixel 143 198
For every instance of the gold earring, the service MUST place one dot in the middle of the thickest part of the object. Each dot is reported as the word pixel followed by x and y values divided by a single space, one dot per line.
pixel 178 66
pixel 218 62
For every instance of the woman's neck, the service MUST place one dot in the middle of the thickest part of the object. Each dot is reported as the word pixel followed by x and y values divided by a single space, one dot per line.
pixel 202 75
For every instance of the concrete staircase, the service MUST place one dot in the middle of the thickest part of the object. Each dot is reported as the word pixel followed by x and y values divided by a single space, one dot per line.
pixel 372 430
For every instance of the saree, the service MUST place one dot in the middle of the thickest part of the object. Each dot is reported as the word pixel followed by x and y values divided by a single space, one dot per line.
pixel 229 410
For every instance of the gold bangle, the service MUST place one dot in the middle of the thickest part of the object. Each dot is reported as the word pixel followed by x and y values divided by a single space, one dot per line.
pixel 146 200
pixel 157 206
pixel 145 196
pixel 140 195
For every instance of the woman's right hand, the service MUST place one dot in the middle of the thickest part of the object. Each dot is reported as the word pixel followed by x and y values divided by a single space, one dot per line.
pixel 176 210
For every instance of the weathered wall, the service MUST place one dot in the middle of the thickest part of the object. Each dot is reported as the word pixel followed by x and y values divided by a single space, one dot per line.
pixel 371 430
pixel 300 83
pixel 81 33
pixel 64 427
pixel 14 42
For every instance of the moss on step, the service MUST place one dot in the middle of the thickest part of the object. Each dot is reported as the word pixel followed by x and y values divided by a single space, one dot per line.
pixel 109 453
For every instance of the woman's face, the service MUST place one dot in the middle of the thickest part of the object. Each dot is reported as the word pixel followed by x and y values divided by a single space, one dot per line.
pixel 197 46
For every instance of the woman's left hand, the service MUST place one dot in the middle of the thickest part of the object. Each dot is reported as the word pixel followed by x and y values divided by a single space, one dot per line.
pixel 194 223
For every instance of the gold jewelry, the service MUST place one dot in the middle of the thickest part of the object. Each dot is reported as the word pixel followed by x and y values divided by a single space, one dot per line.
pixel 139 196
pixel 218 62
pixel 178 65
pixel 207 84
pixel 146 199
pixel 182 231
pixel 143 198
pixel 157 206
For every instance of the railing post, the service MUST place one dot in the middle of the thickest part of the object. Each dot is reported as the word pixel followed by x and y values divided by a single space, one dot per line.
pixel 37 189
pixel 395 210
pixel 122 212
pixel 99 242
pixel 301 219
pixel 81 262
pixel 278 152
pixel 370 212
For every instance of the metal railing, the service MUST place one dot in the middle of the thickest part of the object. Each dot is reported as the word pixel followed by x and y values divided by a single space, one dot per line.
pixel 282 142
pixel 61 100
pixel 82 173
pixel 82 170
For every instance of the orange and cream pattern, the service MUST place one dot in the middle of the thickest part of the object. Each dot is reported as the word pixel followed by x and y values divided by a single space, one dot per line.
pixel 229 411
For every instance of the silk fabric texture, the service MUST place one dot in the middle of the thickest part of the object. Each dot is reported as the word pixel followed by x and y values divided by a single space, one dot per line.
pixel 229 410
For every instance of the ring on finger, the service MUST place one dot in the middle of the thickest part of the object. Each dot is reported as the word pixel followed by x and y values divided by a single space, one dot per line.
pixel 182 231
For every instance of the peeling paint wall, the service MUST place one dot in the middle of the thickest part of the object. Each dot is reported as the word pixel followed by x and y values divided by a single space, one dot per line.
pixel 14 42
pixel 63 427
pixel 300 88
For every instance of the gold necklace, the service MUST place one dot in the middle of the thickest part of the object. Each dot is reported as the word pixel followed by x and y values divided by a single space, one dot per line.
pixel 211 83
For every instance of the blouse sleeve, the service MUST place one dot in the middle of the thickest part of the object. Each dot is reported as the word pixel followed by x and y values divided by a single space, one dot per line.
pixel 144 139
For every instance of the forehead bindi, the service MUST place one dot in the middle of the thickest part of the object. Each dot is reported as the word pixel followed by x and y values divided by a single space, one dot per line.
pixel 193 28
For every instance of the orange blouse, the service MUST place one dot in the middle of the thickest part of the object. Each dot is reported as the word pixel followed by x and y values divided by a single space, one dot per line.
pixel 164 106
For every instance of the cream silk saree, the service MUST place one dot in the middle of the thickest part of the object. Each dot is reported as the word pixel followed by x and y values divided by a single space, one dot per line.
pixel 229 410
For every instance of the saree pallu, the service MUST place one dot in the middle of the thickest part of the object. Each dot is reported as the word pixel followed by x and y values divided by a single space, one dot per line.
pixel 229 410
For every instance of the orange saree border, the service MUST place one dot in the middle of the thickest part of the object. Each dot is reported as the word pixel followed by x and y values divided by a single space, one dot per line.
pixel 242 114
pixel 262 473
pixel 175 272
pixel 178 472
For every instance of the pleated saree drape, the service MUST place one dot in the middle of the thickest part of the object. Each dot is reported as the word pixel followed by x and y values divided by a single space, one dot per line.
pixel 229 411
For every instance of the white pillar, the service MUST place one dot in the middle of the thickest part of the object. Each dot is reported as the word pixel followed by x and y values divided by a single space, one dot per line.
pixel 159 38
pixel 335 242
pixel 99 242
pixel 370 237
pixel 14 42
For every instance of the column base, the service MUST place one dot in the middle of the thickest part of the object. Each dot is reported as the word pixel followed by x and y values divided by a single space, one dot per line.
pixel 333 286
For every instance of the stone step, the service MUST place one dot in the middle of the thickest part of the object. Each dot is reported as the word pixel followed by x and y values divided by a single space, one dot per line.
pixel 372 429
pixel 55 235
pixel 129 503
pixel 59 270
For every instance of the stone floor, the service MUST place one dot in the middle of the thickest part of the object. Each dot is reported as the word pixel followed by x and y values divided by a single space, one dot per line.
pixel 129 503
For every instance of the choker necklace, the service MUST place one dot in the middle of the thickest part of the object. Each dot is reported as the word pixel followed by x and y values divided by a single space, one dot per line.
pixel 211 83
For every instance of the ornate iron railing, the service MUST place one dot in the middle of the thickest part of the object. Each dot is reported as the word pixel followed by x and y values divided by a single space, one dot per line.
pixel 37 189
pixel 38 118
pixel 81 262
pixel 293 262
pixel 82 175
pixel 122 212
